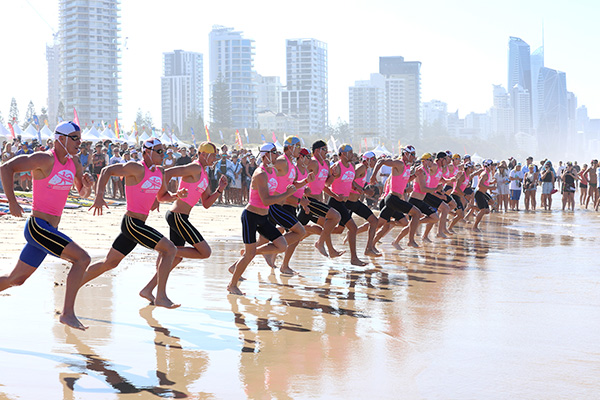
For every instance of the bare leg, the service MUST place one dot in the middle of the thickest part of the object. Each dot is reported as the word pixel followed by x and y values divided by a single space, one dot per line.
pixel 352 228
pixel 371 250
pixel 80 260
pixel 168 252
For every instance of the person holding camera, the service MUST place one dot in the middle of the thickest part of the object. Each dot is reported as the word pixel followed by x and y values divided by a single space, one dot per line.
pixel 516 182
pixel 530 181
pixel 547 176
pixel 569 176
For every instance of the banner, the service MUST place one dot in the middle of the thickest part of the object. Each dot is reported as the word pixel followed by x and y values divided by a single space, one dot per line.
pixel 117 133
pixel 11 130
pixel 75 117
pixel 207 133
pixel 238 139
pixel 246 133
pixel 263 138
pixel 221 134
pixel 36 121
pixel 274 137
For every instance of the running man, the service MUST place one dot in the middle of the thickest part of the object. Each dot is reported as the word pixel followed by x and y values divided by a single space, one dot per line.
pixel 194 184
pixel 482 198
pixel 143 181
pixel 54 172
pixel 255 217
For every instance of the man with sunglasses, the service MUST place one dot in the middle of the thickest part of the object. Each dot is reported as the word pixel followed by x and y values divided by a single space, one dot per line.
pixel 143 181
pixel 54 173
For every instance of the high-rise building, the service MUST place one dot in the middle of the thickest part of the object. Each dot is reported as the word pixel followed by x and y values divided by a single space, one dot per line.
pixel 537 62
pixel 52 58
pixel 403 96
pixel 182 88
pixel 367 106
pixel 268 90
pixel 502 113
pixel 231 58
pixel 519 65
pixel 306 95
pixel 435 112
pixel 553 106
pixel 89 33
pixel 520 101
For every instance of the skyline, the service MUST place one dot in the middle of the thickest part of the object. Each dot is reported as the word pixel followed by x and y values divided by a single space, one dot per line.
pixel 468 33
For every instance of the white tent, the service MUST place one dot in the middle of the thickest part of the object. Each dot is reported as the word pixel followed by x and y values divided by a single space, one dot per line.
pixel 5 133
pixel 30 133
pixel 17 129
pixel 476 158
pixel 107 133
pixel 91 135
pixel 46 133
pixel 130 140
pixel 144 137
pixel 332 145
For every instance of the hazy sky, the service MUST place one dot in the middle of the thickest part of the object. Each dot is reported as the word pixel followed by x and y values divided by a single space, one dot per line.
pixel 462 44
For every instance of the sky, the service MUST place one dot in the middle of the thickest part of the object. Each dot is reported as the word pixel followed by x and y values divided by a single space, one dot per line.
pixel 462 45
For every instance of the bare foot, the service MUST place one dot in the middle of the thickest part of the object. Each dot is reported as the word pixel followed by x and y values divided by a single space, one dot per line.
pixel 345 239
pixel 372 253
pixel 232 269
pixel 476 229
pixel 72 321
pixel 287 271
pixel 356 261
pixel 397 246
pixel 321 247
pixel 426 239
pixel 270 259
pixel 412 243
pixel 165 302
pixel 233 289
pixel 335 253
pixel 441 235
pixel 148 296
pixel 451 231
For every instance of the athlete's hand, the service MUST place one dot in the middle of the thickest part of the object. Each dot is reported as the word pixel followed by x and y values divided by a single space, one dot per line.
pixel 291 189
pixel 155 205
pixel 222 183
pixel 87 180
pixel 311 177
pixel 15 209
pixel 304 203
pixel 98 205
pixel 182 194
pixel 373 180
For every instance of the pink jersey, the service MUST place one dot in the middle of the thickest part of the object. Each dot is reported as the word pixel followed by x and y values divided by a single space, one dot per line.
pixel 316 186
pixel 50 194
pixel 140 197
pixel 434 180
pixel 463 185
pixel 195 189
pixel 284 181
pixel 447 173
pixel 343 183
pixel 254 199
pixel 417 187
pixel 399 182
pixel 300 192
pixel 360 182
pixel 387 189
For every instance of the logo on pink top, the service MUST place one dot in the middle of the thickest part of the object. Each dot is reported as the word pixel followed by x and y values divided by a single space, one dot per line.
pixel 202 185
pixel 348 176
pixel 152 184
pixel 63 180
pixel 272 184
pixel 323 174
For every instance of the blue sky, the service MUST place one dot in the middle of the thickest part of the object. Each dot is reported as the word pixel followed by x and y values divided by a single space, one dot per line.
pixel 462 44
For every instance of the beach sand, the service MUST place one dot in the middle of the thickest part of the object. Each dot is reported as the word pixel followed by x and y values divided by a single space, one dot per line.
pixel 512 312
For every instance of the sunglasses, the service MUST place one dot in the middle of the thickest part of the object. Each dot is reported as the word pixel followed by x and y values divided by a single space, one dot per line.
pixel 159 151
pixel 74 138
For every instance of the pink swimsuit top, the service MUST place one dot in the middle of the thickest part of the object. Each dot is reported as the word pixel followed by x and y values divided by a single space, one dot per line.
pixel 487 182
pixel 255 199
pixel 387 189
pixel 417 187
pixel 463 185
pixel 343 183
pixel 447 174
pixel 316 186
pixel 50 194
pixel 284 181
pixel 195 189
pixel 140 197
pixel 434 180
pixel 399 182
pixel 360 182
pixel 300 192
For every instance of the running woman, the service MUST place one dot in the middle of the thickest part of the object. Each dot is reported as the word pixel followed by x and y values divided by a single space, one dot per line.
pixel 54 172
pixel 193 183
pixel 255 217
pixel 143 181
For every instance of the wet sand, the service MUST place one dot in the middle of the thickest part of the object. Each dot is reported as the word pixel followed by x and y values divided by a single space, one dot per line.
pixel 513 312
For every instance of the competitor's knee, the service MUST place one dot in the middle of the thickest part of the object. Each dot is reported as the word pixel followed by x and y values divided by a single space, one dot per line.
pixel 280 243
pixel 333 215
pixel 415 213
pixel 299 229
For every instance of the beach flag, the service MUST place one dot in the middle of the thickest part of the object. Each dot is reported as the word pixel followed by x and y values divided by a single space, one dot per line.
pixel 117 128
pixel 193 136
pixel 36 121
pixel 399 147
pixel 207 133
pixel 46 123
pixel 274 138
pixel 238 139
pixel 221 134
pixel 75 116
pixel 10 126
pixel 246 133
pixel 263 138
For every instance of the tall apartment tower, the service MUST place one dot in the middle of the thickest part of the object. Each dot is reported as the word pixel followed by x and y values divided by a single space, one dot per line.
pixel 553 107
pixel 182 88
pixel 502 113
pixel 52 58
pixel 403 94
pixel 89 34
pixel 520 101
pixel 268 90
pixel 537 62
pixel 519 66
pixel 367 106
pixel 231 57
pixel 307 95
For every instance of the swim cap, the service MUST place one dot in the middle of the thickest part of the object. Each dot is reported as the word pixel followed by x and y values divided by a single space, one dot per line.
pixel 305 152
pixel 291 141
pixel 344 148
pixel 409 149
pixel 66 128
pixel 368 155
pixel 456 156
pixel 426 156
pixel 466 156
pixel 318 144
pixel 266 148
pixel 207 147
pixel 441 154
pixel 487 162
pixel 152 143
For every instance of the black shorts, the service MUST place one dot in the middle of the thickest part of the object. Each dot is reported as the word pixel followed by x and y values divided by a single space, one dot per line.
pixel 317 210
pixel 481 199
pixel 134 231
pixel 433 201
pixel 279 215
pixel 341 208
pixel 394 206
pixel 252 223
pixel 422 206
pixel 359 208
pixel 458 200
pixel 468 191
pixel 182 230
